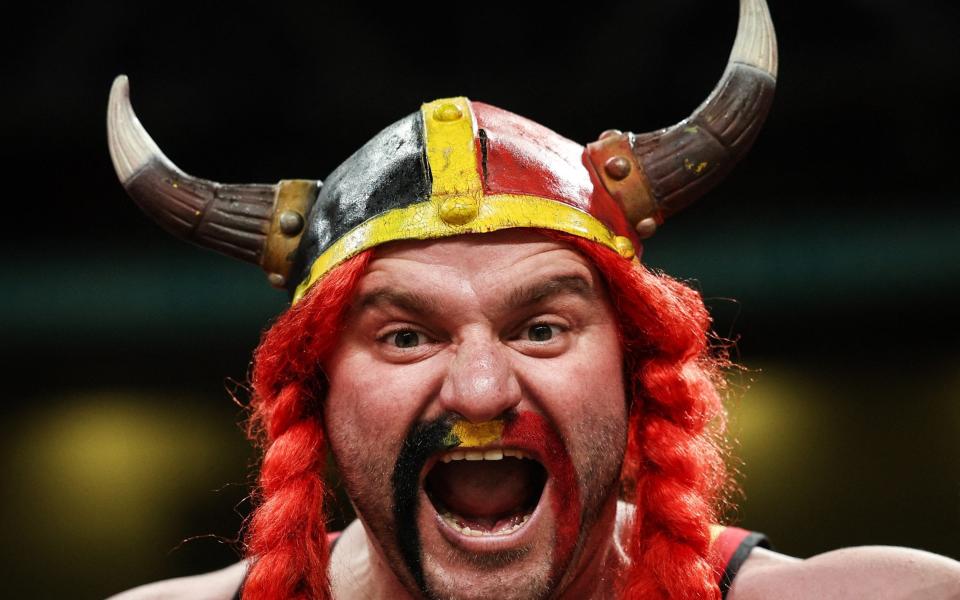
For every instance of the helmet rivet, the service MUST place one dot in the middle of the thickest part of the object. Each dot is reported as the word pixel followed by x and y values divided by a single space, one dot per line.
pixel 617 167
pixel 624 247
pixel 277 280
pixel 610 133
pixel 646 228
pixel 459 210
pixel 447 112
pixel 291 222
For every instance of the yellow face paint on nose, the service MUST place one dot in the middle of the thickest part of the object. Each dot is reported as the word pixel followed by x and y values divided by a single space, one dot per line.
pixel 474 435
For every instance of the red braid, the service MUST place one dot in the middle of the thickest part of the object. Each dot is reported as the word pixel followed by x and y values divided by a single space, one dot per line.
pixel 286 536
pixel 674 470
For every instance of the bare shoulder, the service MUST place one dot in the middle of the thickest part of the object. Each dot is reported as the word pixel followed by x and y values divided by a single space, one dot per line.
pixel 864 572
pixel 216 585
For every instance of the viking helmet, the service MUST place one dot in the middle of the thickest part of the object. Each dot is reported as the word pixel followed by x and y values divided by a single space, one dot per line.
pixel 457 167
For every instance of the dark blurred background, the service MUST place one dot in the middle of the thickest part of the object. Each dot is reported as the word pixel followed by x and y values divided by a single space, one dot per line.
pixel 831 255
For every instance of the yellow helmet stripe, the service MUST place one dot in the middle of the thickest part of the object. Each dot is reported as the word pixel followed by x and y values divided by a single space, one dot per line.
pixel 449 134
pixel 424 220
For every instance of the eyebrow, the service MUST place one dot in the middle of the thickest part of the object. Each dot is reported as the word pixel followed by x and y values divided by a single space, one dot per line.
pixel 518 298
pixel 537 293
pixel 407 300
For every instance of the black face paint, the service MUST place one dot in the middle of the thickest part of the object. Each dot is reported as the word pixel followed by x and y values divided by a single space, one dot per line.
pixel 424 440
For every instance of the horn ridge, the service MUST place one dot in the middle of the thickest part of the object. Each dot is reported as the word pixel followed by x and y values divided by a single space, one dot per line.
pixel 685 161
pixel 131 147
pixel 234 219
pixel 756 42
pixel 677 165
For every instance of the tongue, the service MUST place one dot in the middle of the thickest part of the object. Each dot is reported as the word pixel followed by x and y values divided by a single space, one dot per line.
pixel 482 489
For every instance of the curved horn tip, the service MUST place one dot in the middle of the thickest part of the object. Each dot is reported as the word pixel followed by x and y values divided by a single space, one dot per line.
pixel 131 147
pixel 756 43
pixel 121 85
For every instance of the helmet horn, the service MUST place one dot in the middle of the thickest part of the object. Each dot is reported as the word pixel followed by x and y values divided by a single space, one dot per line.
pixel 657 174
pixel 256 223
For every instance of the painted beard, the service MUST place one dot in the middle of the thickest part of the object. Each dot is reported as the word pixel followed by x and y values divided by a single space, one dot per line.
pixel 489 485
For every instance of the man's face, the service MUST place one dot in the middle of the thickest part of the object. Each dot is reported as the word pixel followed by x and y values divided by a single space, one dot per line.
pixel 477 412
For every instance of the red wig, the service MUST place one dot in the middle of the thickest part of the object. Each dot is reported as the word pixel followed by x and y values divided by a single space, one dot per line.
pixel 287 534
pixel 673 471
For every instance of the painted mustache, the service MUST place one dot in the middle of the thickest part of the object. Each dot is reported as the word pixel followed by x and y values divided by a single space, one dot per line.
pixel 526 431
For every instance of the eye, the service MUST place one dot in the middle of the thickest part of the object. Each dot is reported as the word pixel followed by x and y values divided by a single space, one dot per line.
pixel 406 339
pixel 541 332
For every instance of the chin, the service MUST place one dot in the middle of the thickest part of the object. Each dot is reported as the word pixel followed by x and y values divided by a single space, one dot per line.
pixel 449 577
pixel 506 556
pixel 500 519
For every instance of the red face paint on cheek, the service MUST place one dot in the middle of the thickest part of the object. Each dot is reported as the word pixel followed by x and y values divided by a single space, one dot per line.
pixel 531 430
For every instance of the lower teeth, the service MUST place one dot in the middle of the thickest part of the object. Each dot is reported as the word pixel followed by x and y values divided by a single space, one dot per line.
pixel 452 521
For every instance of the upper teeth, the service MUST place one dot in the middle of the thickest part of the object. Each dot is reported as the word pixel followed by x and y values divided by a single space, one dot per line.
pixel 494 454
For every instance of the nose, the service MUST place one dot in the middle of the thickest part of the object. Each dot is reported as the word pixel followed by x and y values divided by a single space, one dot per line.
pixel 480 384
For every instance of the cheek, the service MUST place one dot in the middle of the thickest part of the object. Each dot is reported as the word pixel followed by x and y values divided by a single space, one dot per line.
pixel 352 443
pixel 583 394
pixel 355 437
pixel 585 384
pixel 606 411
pixel 368 410
pixel 376 393
pixel 596 430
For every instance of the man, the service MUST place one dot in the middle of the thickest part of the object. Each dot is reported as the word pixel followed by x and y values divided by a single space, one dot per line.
pixel 518 407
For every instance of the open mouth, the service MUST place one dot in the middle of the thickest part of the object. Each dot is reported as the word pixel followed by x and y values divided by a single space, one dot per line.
pixel 485 492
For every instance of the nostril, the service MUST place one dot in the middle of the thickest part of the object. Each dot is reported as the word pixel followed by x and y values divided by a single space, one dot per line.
pixel 479 397
pixel 480 386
